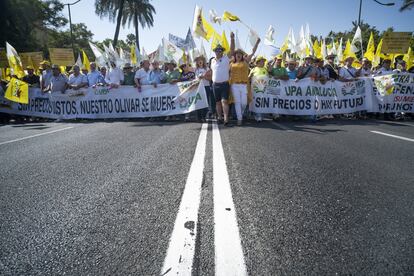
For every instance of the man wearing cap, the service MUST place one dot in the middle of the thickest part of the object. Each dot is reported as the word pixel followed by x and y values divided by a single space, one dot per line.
pixel 94 76
pixel 141 76
pixel 307 70
pixel 348 72
pixel 77 80
pixel 291 68
pixel 46 74
pixel 276 70
pixel 58 81
pixel 156 75
pixel 32 79
pixel 220 66
pixel 115 76
pixel 172 75
pixel 331 67
pixel 129 75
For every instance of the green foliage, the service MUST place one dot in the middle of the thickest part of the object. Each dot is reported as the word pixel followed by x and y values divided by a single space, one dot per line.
pixel 29 19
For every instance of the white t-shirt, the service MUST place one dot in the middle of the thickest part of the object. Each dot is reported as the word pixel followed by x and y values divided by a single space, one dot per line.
pixel 115 76
pixel 142 76
pixel 347 73
pixel 220 68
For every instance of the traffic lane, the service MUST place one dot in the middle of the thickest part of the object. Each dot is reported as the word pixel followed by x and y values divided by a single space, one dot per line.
pixel 17 131
pixel 99 199
pixel 321 202
pixel 405 129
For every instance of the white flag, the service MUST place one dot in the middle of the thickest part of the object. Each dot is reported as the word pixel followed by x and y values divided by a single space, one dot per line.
pixel 214 18
pixel 79 62
pixel 237 44
pixel 339 51
pixel 357 38
pixel 171 51
pixel 253 37
pixel 291 41
pixel 323 50
pixel 269 40
pixel 203 50
pixel 100 59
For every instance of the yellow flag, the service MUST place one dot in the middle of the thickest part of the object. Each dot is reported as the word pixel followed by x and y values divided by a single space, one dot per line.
pixel 377 58
pixel 133 55
pixel 230 17
pixel 14 61
pixel 17 91
pixel 348 52
pixel 86 62
pixel 370 52
pixel 200 25
pixel 225 43
pixel 317 49
pixel 408 58
pixel 216 40
pixel 285 45
pixel 63 69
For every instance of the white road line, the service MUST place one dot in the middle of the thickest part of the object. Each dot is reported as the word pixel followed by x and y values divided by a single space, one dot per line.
pixel 229 259
pixel 282 127
pixel 181 248
pixel 35 135
pixel 392 135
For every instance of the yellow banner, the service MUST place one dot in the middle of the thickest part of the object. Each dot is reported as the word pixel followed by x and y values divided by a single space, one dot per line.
pixel 36 57
pixel 62 56
pixel 17 91
pixel 396 42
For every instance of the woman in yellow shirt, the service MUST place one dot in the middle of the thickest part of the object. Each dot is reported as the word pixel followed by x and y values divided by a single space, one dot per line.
pixel 239 78
pixel 259 70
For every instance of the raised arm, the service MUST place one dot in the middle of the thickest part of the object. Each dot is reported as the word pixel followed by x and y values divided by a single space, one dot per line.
pixel 231 53
pixel 249 57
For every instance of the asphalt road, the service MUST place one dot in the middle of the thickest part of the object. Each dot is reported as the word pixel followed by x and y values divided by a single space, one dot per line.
pixel 103 198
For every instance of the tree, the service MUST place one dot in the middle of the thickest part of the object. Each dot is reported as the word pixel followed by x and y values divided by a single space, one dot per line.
pixel 130 39
pixel 81 38
pixel 113 9
pixel 26 23
pixel 407 5
pixel 138 12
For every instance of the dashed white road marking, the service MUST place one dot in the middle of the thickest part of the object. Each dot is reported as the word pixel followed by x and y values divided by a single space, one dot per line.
pixel 392 135
pixel 35 135
pixel 180 253
pixel 229 258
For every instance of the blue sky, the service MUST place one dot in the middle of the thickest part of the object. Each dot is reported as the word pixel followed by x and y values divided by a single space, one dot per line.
pixel 322 15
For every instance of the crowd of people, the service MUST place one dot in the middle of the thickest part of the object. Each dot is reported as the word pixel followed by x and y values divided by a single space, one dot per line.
pixel 226 77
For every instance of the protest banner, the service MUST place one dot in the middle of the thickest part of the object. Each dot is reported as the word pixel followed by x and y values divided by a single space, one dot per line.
pixel 396 42
pixel 4 63
pixel 36 58
pixel 62 56
pixel 307 97
pixel 101 102
pixel 393 93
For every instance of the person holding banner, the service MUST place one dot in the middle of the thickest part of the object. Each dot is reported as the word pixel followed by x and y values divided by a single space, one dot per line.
pixel 172 74
pixel 291 68
pixel 203 73
pixel 156 75
pixel 307 70
pixel 58 82
pixel 365 70
pixel 348 72
pixel 129 75
pixel 93 76
pixel 239 79
pixel 220 67
pixel 258 71
pixel 141 76
pixel 77 80
pixel 386 68
pixel 32 79
pixel 331 67
pixel 115 77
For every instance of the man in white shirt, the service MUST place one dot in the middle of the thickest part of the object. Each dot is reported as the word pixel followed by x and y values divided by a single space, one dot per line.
pixel 77 80
pixel 94 76
pixel 142 75
pixel 220 66
pixel 114 77
pixel 347 72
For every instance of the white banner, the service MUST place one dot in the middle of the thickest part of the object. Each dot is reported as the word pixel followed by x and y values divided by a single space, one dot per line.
pixel 101 102
pixel 394 93
pixel 307 97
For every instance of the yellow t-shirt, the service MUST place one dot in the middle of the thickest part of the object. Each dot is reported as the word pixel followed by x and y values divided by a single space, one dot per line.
pixel 239 72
